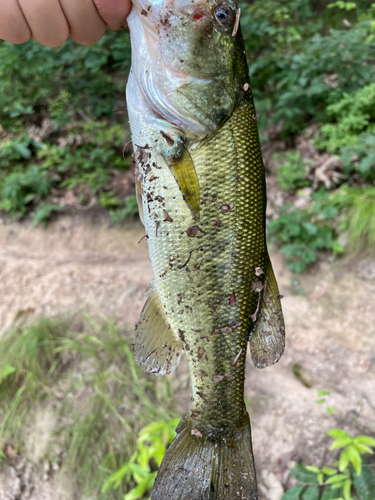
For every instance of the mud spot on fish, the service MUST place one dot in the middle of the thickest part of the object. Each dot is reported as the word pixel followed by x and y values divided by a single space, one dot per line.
pixel 246 87
pixel 180 297
pixel 194 414
pixel 227 207
pixel 144 12
pixel 232 300
pixel 201 395
pixel 257 286
pixel 227 329
pixel 168 138
pixel 192 231
pixel 195 432
pixel 167 217
pixel 141 156
pixel 181 334
pixel 217 222
pixel 201 351
pixel 258 271
pixel 237 358
pixel 218 378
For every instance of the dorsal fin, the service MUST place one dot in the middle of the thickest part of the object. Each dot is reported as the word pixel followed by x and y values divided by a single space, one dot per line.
pixel 157 349
pixel 267 342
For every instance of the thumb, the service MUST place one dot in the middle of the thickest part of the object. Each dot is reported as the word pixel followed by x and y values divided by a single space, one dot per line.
pixel 113 12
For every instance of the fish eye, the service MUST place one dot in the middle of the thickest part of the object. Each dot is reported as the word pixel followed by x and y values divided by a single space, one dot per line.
pixel 224 15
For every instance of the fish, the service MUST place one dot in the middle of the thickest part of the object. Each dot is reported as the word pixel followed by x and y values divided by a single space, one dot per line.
pixel 201 190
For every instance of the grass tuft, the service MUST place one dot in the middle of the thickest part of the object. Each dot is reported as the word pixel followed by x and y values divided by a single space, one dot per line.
pixel 82 370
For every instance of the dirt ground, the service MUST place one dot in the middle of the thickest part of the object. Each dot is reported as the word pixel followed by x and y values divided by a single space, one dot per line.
pixel 80 264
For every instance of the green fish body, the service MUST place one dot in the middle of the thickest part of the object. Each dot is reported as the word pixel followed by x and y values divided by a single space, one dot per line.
pixel 201 190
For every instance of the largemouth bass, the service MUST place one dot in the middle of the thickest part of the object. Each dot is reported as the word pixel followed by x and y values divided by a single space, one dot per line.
pixel 202 198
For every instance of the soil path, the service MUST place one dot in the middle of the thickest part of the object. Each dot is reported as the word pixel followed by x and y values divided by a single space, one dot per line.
pixel 75 264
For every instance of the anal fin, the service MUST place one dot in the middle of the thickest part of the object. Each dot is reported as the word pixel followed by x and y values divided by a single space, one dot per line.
pixel 267 342
pixel 157 349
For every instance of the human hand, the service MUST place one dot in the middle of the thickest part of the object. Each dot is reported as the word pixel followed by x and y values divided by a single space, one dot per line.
pixel 51 22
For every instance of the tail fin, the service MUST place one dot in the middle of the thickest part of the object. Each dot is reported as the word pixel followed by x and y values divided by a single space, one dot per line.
pixel 199 468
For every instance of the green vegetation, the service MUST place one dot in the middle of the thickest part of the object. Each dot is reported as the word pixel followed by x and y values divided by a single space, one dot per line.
pixel 81 371
pixel 58 131
pixel 152 444
pixel 290 171
pixel 349 478
pixel 301 233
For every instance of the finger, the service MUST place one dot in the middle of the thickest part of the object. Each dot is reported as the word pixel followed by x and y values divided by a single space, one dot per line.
pixel 46 20
pixel 114 12
pixel 85 24
pixel 13 25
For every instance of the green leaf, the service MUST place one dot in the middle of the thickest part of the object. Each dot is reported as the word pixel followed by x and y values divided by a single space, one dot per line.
pixel 312 493
pixel 336 486
pixel 341 443
pixel 323 392
pixel 336 479
pixel 355 459
pixel 338 434
pixel 23 150
pixel 6 371
pixel 365 440
pixel 313 469
pixel 302 474
pixel 294 493
pixel 344 460
pixel 328 471
pixel 347 489
pixel 145 485
pixel 320 478
pixel 364 484
pixel 329 494
pixel 362 448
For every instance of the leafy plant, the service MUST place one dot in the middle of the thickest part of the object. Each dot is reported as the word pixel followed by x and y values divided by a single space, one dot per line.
pixel 352 114
pixel 20 189
pixel 301 233
pixel 152 444
pixel 290 170
pixel 347 477
pixel 301 62
pixel 131 208
pixel 360 156
pixel 43 213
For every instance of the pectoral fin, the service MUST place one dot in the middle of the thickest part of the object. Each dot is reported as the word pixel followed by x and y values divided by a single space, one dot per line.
pixel 183 170
pixel 267 342
pixel 157 349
